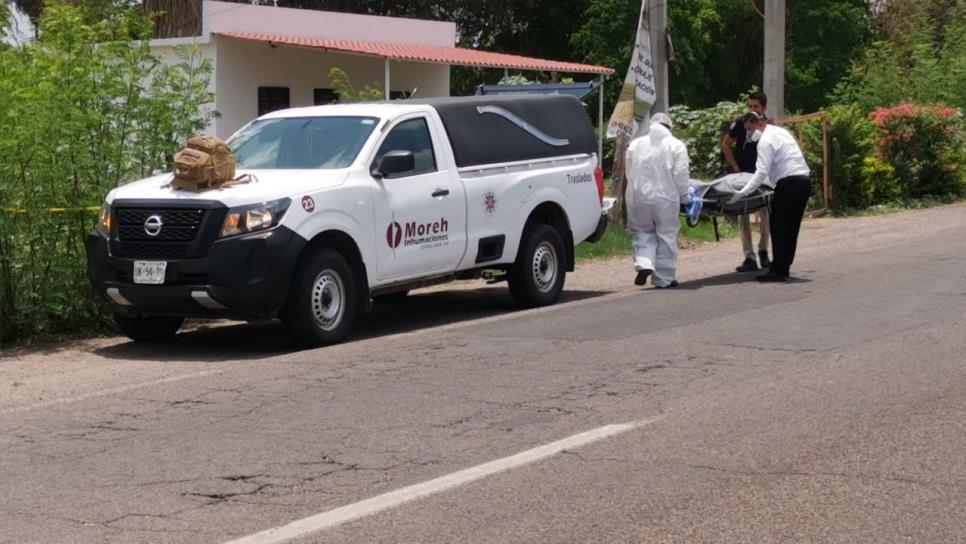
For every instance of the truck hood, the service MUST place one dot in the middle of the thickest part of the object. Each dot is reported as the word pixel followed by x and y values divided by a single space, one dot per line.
pixel 266 185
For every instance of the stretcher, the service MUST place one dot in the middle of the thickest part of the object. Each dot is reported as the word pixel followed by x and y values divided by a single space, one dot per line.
pixel 710 198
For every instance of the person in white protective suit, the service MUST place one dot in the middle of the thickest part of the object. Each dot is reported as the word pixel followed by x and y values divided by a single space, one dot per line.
pixel 657 184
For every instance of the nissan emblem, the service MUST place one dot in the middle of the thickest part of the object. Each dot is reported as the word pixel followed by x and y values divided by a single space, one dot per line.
pixel 152 226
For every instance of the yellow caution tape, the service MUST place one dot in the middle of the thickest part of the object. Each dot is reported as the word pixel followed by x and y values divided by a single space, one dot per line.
pixel 52 210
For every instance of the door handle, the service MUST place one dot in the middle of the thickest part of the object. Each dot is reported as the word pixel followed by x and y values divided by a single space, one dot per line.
pixel 440 192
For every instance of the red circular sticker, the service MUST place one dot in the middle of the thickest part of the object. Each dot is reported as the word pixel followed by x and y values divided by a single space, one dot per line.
pixel 394 235
pixel 308 204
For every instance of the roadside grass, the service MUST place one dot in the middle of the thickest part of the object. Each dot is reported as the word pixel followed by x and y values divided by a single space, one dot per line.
pixel 898 206
pixel 617 240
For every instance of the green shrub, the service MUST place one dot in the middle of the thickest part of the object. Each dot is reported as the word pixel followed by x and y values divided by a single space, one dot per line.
pixel 348 94
pixel 851 141
pixel 84 109
pixel 924 144
pixel 700 130
pixel 918 68
pixel 879 182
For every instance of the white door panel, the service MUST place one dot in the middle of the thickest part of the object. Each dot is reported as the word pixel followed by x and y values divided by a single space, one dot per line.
pixel 423 215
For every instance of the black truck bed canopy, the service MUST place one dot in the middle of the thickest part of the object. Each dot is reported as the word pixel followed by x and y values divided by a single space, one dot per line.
pixel 497 129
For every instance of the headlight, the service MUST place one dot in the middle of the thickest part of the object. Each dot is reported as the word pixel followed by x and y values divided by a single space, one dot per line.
pixel 103 225
pixel 256 217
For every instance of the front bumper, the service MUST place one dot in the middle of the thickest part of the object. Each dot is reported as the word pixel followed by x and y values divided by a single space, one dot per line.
pixel 246 277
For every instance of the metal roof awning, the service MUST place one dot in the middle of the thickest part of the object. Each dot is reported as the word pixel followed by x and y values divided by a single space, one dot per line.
pixel 459 56
pixel 579 90
pixel 427 53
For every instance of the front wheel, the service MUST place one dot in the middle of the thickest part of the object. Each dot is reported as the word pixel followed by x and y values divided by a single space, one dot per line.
pixel 321 306
pixel 148 329
pixel 536 278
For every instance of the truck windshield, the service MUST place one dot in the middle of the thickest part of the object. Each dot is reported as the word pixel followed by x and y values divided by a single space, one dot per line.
pixel 301 142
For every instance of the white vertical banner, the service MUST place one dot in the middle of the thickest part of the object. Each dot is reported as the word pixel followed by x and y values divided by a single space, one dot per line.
pixel 638 93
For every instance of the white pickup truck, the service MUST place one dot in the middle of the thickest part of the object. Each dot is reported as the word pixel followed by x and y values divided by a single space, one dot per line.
pixel 346 204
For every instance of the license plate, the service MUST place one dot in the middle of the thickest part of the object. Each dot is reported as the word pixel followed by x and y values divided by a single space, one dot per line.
pixel 151 272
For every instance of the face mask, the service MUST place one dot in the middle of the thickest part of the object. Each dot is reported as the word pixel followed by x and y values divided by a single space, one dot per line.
pixel 755 136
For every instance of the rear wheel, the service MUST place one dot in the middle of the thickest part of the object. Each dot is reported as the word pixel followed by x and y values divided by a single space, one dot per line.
pixel 536 278
pixel 148 329
pixel 321 305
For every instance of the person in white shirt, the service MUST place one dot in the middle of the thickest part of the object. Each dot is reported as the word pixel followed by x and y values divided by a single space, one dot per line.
pixel 780 166
pixel 657 184
pixel 740 155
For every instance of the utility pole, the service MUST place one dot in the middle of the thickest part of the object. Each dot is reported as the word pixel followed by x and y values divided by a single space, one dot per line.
pixel 774 76
pixel 657 19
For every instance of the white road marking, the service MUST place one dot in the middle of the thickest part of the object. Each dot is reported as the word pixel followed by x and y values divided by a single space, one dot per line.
pixel 392 499
pixel 68 400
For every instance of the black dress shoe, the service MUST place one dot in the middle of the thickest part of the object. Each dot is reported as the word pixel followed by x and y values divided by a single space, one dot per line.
pixel 772 276
pixel 749 265
pixel 674 283
pixel 763 259
pixel 642 275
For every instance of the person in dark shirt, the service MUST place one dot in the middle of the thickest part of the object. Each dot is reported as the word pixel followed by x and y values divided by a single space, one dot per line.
pixel 740 156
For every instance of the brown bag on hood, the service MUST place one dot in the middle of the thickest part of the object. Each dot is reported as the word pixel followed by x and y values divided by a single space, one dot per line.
pixel 205 163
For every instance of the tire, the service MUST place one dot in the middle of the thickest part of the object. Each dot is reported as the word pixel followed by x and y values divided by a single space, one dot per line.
pixel 322 303
pixel 391 298
pixel 536 278
pixel 148 329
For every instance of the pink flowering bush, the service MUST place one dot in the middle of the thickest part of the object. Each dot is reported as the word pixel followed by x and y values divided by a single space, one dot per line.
pixel 925 147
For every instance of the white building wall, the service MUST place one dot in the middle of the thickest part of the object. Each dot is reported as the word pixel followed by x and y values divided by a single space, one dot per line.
pixel 229 17
pixel 167 50
pixel 244 65
pixel 428 80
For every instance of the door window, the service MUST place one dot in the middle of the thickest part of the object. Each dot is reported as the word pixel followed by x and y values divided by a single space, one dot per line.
pixel 413 136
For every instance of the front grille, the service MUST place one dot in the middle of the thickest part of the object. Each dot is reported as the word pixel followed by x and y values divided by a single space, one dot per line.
pixel 168 233
pixel 179 224
pixel 154 250
pixel 179 229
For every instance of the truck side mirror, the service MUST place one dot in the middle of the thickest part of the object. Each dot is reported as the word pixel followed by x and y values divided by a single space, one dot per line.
pixel 394 163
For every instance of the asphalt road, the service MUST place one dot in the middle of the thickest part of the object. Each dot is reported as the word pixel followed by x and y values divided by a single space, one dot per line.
pixel 828 409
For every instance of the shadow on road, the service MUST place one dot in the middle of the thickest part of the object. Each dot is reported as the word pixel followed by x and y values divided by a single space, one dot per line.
pixel 245 341
pixel 731 278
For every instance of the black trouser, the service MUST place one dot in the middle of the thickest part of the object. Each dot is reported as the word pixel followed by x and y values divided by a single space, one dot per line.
pixel 787 209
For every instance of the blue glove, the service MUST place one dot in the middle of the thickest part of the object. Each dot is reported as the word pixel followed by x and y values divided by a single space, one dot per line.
pixel 693 207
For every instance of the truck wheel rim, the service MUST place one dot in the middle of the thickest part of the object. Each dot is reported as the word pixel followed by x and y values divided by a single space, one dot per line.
pixel 544 267
pixel 328 300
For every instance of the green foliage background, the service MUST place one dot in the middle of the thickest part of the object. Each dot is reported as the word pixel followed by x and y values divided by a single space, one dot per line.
pixel 85 109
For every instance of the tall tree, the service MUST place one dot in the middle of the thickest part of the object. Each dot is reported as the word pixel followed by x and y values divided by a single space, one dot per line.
pixel 94 10
pixel 716 43
pixel 824 37
pixel 31 8
pixel 175 18
pixel 718 46
pixel 895 20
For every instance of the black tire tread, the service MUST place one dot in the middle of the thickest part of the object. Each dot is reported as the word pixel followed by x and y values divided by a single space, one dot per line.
pixel 519 277
pixel 297 313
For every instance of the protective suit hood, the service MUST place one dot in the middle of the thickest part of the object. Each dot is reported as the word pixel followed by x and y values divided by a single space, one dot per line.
pixel 658 133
